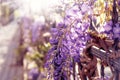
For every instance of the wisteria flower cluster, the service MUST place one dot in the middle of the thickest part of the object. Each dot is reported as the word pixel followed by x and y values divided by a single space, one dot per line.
pixel 69 38
pixel 58 50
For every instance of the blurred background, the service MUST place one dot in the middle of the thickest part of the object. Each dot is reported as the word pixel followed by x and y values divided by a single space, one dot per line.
pixel 24 36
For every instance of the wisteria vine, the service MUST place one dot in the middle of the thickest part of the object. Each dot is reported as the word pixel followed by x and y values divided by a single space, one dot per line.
pixel 69 38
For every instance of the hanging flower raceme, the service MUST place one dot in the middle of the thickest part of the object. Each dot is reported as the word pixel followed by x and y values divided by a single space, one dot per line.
pixel 58 51
pixel 76 36
pixel 68 40
pixel 112 27
pixel 35 29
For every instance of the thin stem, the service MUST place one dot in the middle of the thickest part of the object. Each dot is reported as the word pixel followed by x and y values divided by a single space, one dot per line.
pixel 73 69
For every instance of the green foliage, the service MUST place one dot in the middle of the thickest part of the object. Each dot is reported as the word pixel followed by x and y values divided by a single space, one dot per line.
pixel 39 54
